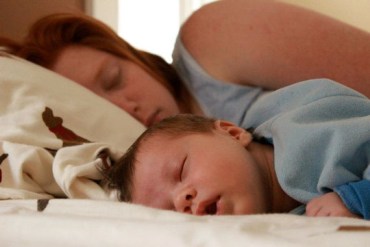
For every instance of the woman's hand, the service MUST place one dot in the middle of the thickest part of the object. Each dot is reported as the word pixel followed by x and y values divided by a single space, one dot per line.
pixel 328 204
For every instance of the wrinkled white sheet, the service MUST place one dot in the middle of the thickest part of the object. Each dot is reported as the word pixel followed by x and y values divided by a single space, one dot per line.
pixel 73 222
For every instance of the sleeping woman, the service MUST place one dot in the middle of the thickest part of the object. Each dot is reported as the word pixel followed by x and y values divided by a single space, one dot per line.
pixel 228 55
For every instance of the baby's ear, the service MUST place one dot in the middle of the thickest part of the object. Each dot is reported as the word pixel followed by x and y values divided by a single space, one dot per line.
pixel 243 136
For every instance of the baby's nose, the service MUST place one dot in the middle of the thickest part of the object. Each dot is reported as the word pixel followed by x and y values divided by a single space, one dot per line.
pixel 184 201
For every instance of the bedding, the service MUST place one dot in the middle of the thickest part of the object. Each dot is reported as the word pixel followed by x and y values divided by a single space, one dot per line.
pixel 81 222
pixel 54 133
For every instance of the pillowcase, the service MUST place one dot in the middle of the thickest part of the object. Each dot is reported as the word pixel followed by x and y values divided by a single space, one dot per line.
pixel 43 114
pixel 29 91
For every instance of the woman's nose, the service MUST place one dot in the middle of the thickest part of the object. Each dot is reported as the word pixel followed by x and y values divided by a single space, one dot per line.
pixel 130 106
pixel 184 200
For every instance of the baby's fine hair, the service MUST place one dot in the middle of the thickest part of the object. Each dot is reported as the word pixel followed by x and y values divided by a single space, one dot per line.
pixel 119 176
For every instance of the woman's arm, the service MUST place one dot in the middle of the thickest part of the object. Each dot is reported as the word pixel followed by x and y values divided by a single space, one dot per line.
pixel 272 44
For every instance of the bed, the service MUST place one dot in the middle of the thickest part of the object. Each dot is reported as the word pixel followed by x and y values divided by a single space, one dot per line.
pixel 54 133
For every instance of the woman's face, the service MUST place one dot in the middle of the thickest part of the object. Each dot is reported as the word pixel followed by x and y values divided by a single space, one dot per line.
pixel 120 81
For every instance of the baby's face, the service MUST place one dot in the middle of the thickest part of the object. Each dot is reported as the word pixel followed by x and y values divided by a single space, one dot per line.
pixel 202 174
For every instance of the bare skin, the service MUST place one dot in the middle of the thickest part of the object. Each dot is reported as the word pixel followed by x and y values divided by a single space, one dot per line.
pixel 272 44
pixel 328 204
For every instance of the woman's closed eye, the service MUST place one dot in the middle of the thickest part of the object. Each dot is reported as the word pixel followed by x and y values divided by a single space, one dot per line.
pixel 111 77
pixel 114 81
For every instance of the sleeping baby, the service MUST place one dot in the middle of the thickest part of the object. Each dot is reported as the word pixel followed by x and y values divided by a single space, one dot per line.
pixel 307 152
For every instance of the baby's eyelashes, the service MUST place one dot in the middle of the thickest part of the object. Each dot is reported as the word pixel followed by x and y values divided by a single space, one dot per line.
pixel 183 169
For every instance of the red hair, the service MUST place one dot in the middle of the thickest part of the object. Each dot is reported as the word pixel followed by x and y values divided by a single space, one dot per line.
pixel 49 35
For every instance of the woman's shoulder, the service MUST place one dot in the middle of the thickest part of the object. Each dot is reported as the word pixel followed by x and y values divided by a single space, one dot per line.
pixel 206 35
pixel 221 35
pixel 217 18
pixel 199 30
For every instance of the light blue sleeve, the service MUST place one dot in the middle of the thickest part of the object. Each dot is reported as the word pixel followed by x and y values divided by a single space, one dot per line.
pixel 320 131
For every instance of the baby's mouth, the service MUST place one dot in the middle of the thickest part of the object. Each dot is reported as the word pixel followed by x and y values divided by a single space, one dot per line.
pixel 211 209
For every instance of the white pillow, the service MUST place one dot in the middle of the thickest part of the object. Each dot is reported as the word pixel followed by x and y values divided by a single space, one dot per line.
pixel 52 131
pixel 27 90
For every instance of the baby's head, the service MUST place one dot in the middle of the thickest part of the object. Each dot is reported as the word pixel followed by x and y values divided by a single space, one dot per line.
pixel 191 164
pixel 121 174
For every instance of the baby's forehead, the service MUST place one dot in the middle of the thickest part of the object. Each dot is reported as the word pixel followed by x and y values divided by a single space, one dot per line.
pixel 169 139
pixel 162 138
pixel 165 135
pixel 153 140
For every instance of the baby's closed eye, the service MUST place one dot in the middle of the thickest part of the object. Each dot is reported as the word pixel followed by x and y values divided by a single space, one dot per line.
pixel 183 166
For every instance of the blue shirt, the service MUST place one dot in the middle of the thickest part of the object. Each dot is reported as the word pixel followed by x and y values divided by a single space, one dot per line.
pixel 320 131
